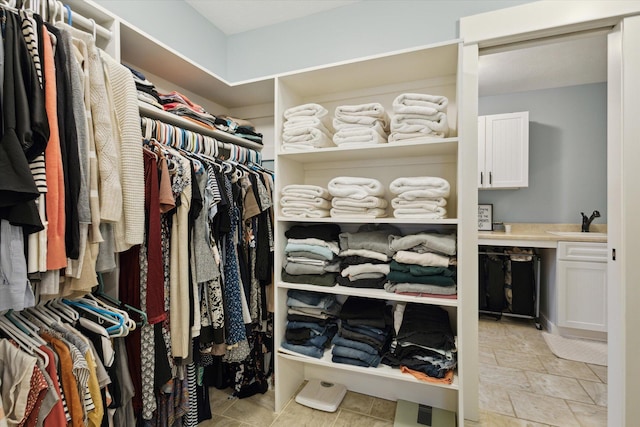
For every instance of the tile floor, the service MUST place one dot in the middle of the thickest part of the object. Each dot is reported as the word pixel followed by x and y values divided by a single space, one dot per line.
pixel 522 384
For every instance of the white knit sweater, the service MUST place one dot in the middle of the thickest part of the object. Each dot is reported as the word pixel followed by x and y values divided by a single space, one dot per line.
pixel 129 231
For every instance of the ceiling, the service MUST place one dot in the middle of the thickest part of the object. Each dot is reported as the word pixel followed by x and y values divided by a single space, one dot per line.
pixel 237 16
pixel 563 61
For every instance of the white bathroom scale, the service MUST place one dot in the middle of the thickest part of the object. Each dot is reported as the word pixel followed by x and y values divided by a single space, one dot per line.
pixel 322 395
pixel 409 414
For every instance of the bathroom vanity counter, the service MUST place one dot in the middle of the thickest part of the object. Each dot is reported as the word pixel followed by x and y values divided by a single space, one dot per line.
pixel 539 235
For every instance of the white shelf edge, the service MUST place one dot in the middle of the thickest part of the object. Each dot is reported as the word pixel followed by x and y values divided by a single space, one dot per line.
pixel 363 220
pixel 370 293
pixel 147 110
pixel 380 371
pixel 344 150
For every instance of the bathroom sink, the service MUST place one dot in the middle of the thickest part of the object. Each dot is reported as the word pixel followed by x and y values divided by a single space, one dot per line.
pixel 576 234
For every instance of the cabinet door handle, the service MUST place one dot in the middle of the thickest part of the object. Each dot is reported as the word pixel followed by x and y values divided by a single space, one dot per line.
pixel 481 178
pixel 490 178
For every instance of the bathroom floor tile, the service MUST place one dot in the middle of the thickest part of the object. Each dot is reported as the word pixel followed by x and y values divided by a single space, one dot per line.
pixel 597 391
pixel 568 368
pixel 542 409
pixel 556 386
pixel 589 415
pixel 517 360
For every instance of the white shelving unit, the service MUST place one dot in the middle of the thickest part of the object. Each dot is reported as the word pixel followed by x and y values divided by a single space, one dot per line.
pixel 434 70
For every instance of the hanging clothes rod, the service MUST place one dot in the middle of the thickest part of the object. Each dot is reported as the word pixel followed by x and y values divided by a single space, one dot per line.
pixel 65 13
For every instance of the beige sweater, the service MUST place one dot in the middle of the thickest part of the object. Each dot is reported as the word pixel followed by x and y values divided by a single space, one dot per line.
pixel 129 231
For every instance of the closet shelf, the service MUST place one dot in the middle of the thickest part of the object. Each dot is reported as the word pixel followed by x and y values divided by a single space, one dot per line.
pixel 381 371
pixel 370 293
pixel 152 112
pixel 363 220
pixel 419 148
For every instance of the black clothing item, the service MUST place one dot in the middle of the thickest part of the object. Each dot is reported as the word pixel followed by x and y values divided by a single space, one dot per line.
pixel 326 232
pixel 162 372
pixel 426 325
pixel 297 335
pixel 326 279
pixel 362 283
pixel 363 308
pixel 303 318
pixel 68 147
pixel 25 130
pixel 357 260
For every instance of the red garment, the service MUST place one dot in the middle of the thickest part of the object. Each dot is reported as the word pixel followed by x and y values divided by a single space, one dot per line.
pixel 36 394
pixel 56 417
pixel 155 273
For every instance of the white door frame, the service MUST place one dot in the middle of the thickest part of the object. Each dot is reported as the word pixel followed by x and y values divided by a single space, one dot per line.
pixel 553 18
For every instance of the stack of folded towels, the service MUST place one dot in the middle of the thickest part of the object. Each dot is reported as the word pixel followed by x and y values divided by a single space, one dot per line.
pixel 360 125
pixel 424 344
pixel 364 332
pixel 306 127
pixel 419 115
pixel 423 265
pixel 305 201
pixel 420 197
pixel 365 256
pixel 357 197
pixel 312 254
pixel 311 322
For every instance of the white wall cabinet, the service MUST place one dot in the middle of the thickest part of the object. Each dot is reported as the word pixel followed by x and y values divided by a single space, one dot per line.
pixel 581 285
pixel 503 150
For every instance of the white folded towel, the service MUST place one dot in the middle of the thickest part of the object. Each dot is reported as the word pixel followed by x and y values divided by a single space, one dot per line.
pixel 435 126
pixel 324 124
pixel 295 202
pixel 436 186
pixel 359 135
pixel 364 212
pixel 373 109
pixel 305 191
pixel 420 103
pixel 365 121
pixel 355 187
pixel 305 212
pixel 438 213
pixel 422 203
pixel 311 109
pixel 310 137
pixel 366 202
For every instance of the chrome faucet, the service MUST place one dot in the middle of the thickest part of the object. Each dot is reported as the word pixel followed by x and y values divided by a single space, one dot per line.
pixel 586 222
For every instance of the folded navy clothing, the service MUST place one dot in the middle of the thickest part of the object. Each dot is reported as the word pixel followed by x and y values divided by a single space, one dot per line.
pixel 354 353
pixel 308 297
pixel 307 350
pixel 349 361
pixel 345 342
pixel 426 325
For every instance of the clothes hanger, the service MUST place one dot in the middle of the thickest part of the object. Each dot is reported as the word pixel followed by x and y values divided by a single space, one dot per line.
pixel 116 320
pixel 25 342
pixel 63 311
pixel 99 294
pixel 25 326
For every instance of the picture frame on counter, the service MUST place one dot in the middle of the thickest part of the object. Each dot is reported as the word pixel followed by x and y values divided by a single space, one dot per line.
pixel 485 217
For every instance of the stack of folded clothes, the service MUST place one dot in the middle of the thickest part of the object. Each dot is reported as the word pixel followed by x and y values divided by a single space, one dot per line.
pixel 357 197
pixel 419 115
pixel 311 254
pixel 420 197
pixel 364 332
pixel 146 90
pixel 178 104
pixel 242 128
pixel 423 265
pixel 306 127
pixel 425 345
pixel 305 201
pixel 360 125
pixel 311 322
pixel 365 256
